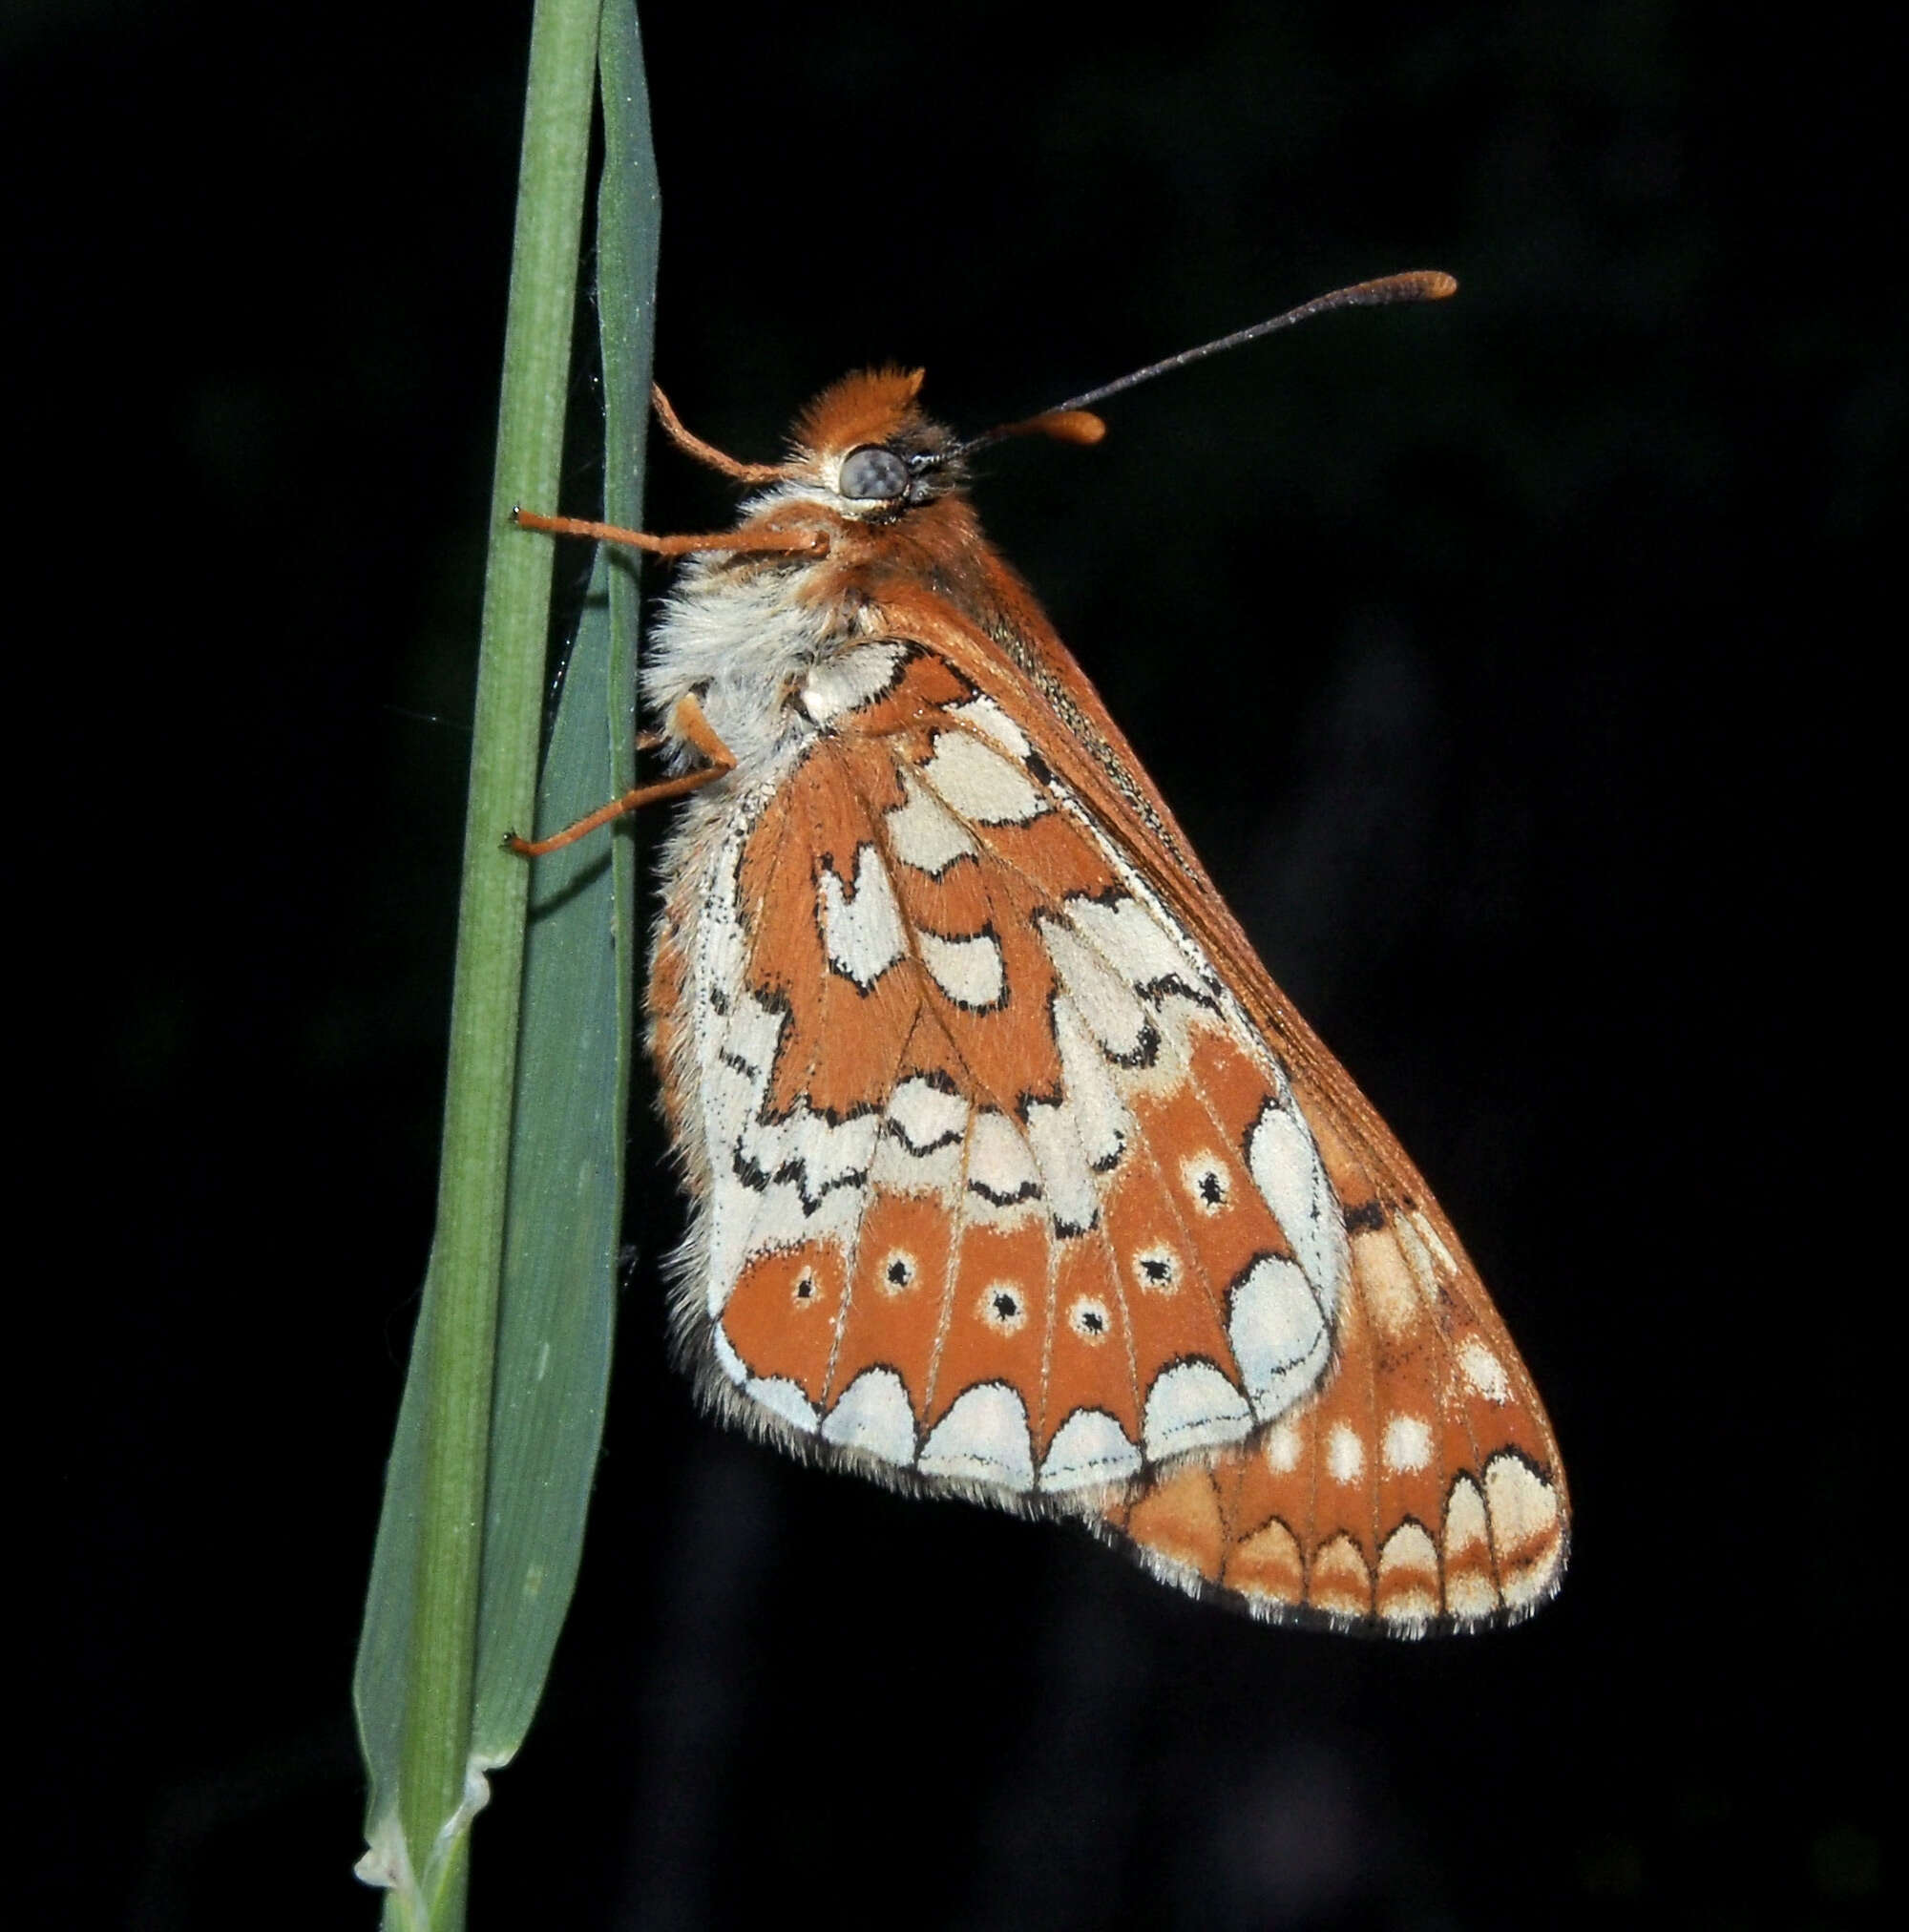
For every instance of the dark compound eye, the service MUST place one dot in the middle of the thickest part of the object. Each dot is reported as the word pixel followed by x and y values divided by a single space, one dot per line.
pixel 873 475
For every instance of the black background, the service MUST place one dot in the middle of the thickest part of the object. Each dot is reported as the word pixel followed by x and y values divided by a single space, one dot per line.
pixel 1506 661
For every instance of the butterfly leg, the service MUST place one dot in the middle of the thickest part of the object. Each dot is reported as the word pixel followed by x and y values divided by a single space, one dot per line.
pixel 688 725
pixel 707 452
pixel 766 538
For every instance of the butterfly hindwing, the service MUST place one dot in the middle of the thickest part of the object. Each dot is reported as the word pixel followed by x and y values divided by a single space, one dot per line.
pixel 1002 1192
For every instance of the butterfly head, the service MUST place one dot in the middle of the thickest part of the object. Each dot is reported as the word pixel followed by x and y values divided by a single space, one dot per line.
pixel 865 441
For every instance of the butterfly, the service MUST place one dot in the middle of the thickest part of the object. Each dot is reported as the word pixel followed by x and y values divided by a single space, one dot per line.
pixel 1012 1175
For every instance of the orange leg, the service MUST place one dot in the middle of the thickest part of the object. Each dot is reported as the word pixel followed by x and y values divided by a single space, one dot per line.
pixel 689 724
pixel 707 452
pixel 789 543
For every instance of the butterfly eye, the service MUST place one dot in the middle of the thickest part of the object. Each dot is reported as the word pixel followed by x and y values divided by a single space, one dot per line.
pixel 873 475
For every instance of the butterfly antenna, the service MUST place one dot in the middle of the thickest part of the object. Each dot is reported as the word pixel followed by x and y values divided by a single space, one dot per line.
pixel 1074 421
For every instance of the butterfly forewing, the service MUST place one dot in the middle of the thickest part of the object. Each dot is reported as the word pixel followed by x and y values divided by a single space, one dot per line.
pixel 1419 1484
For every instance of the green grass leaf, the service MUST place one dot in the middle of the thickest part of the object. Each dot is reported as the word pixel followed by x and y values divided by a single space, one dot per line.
pixel 489 1479
pixel 578 1015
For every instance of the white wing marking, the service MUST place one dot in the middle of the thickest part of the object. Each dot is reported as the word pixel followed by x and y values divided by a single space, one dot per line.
pixel 862 933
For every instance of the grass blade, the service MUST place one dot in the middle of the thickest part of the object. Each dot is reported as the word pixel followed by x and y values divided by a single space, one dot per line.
pixel 417 1664
pixel 579 1014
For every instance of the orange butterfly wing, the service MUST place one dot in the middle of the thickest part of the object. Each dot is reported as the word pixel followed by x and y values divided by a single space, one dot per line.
pixel 1008 1195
